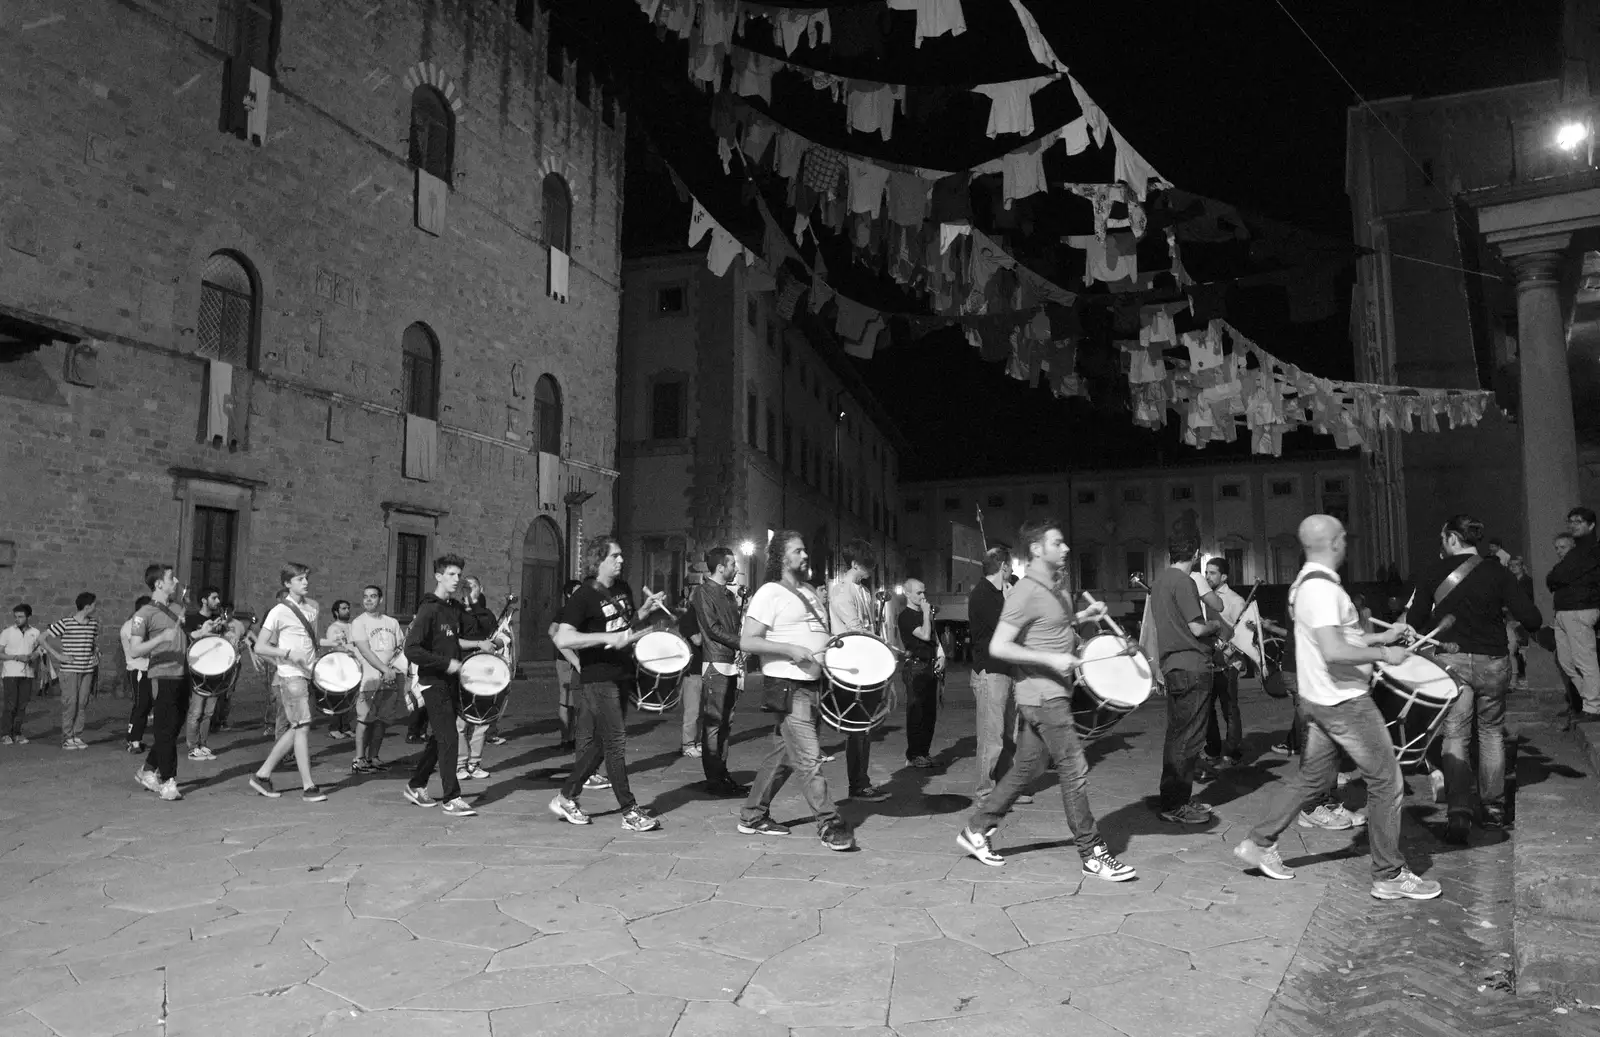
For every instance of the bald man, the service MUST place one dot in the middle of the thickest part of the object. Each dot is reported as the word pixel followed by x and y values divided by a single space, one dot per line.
pixel 1335 669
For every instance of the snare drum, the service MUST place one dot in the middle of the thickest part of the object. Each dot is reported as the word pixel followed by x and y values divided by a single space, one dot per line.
pixel 858 668
pixel 485 685
pixel 1413 698
pixel 661 658
pixel 213 663
pixel 1113 681
pixel 336 683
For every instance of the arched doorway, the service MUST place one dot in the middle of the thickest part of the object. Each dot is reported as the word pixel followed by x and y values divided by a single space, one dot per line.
pixel 541 589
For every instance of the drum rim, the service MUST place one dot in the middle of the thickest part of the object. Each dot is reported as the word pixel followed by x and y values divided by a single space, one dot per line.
pixel 850 685
pixel 688 654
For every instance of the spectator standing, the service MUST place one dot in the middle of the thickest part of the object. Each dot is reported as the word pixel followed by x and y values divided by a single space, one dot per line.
pixel 1516 635
pixel 136 676
pixel 991 679
pixel 1575 584
pixel 19 651
pixel 72 643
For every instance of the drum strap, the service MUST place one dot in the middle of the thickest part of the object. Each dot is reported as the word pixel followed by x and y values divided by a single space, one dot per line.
pixel 1451 582
pixel 301 616
pixel 807 603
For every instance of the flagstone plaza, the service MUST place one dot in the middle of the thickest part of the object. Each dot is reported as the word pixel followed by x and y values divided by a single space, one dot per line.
pixel 229 914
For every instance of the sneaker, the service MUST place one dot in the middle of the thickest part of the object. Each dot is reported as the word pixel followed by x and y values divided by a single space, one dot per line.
pixel 1189 814
pixel 209 754
pixel 459 807
pixel 312 794
pixel 1282 749
pixel 1102 865
pixel 80 743
pixel 1436 779
pixel 418 797
pixel 360 766
pixel 1357 818
pixel 1208 760
pixel 1024 798
pixel 1264 859
pixel 1324 817
pixel 475 771
pixel 19 740
pixel 977 844
pixel 5 739
pixel 461 774
pixel 264 786
pixel 921 763
pixel 765 826
pixel 1406 886
pixel 1346 777
pixel 595 782
pixel 497 739
pixel 196 754
pixel 869 794
pixel 836 836
pixel 1494 819
pixel 415 739
pixel 169 790
pixel 692 751
pixel 1232 761
pixel 148 779
pixel 567 810
pixel 828 757
pixel 638 819
pixel 376 765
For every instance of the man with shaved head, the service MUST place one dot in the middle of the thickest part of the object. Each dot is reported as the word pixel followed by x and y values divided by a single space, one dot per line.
pixel 1335 668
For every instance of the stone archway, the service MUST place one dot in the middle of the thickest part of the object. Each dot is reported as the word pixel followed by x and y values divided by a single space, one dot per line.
pixel 541 589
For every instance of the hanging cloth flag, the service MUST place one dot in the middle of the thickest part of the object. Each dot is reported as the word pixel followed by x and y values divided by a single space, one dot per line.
pixel 1042 51
pixel 934 17
pixel 1011 104
pixel 700 223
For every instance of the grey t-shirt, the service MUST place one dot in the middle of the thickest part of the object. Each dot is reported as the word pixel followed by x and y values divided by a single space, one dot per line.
pixel 1044 621
pixel 170 659
pixel 1174 603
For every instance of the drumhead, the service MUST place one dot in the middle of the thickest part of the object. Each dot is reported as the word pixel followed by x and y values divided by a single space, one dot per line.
pixel 1113 675
pixel 212 656
pixel 336 672
pixel 484 673
pixel 1424 678
pixel 859 661
pixel 662 652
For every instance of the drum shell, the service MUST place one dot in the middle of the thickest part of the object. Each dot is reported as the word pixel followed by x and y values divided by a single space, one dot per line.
pixel 1093 713
pixel 658 689
pixel 478 708
pixel 1412 718
pixel 331 700
pixel 211 684
pixel 853 704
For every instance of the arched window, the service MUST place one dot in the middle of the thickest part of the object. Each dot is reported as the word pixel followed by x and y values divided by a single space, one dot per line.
pixel 419 372
pixel 547 408
pixel 433 133
pixel 557 214
pixel 229 306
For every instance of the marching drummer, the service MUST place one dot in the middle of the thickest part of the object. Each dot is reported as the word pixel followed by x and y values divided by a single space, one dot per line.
pixel 289 640
pixel 1334 660
pixel 208 621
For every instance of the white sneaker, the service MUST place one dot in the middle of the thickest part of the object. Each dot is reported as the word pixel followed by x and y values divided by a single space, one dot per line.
pixel 197 754
pixel 459 807
pixel 1102 865
pixel 1436 779
pixel 567 810
pixel 169 790
pixel 1357 818
pixel 5 739
pixel 148 779
pixel 1326 817
pixel 596 781
pixel 977 844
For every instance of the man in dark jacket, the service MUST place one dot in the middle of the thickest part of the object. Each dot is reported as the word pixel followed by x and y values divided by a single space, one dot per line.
pixel 1575 582
pixel 1476 591
pixel 716 613
pixel 432 644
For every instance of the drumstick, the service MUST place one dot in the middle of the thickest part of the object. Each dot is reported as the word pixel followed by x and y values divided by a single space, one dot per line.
pixel 1444 624
pixel 1105 618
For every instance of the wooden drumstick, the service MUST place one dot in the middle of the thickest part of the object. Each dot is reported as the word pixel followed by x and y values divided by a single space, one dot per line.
pixel 1432 638
pixel 1105 617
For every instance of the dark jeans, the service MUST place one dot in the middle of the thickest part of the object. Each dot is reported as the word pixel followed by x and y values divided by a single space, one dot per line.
pixel 14 704
pixel 139 715
pixel 922 709
pixel 718 693
pixel 858 760
pixel 1188 702
pixel 795 750
pixel 602 738
pixel 1356 727
pixel 172 706
pixel 1481 704
pixel 1046 731
pixel 419 723
pixel 1225 693
pixel 440 702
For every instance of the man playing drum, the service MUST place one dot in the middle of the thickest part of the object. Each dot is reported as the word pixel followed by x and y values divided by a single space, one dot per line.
pixel 207 621
pixel 433 645
pixel 1334 660
pixel 157 634
pixel 850 610
pixel 288 639
pixel 1477 591
pixel 1036 637
pixel 376 637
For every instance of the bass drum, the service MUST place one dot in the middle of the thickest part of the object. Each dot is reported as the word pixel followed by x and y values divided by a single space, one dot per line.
pixel 661 657
pixel 213 664
pixel 1114 680
pixel 336 683
pixel 485 686
pixel 858 668
pixel 1413 698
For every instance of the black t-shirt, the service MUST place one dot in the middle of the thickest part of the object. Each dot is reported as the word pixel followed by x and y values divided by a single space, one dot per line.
pixel 984 606
pixel 688 626
pixel 910 621
pixel 594 609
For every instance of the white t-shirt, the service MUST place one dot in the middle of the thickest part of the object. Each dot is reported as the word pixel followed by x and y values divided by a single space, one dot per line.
pixel 292 636
pixel 788 621
pixel 140 664
pixel 17 641
pixel 363 627
pixel 1321 603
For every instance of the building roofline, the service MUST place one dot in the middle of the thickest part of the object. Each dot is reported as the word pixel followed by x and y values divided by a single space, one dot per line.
pixel 1457 96
pixel 1062 475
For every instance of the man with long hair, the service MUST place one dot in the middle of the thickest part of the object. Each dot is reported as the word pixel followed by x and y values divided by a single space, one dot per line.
pixel 786 628
pixel 1036 636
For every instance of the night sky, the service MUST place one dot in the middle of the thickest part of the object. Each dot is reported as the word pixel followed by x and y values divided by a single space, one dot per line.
pixel 1230 102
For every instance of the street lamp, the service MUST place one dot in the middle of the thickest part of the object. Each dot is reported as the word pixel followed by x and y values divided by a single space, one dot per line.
pixel 748 549
pixel 1571 135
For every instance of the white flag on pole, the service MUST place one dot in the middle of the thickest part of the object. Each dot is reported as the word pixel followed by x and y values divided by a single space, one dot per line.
pixel 1247 634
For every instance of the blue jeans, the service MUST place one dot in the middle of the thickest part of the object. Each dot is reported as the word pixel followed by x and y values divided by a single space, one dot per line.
pixel 1046 730
pixel 795 750
pixel 1482 700
pixel 1188 704
pixel 997 725
pixel 1356 727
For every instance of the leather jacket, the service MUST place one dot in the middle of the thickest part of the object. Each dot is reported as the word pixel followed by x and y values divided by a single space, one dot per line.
pixel 718 613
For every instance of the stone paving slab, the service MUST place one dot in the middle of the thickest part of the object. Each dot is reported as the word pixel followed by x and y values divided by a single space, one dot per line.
pixel 228 914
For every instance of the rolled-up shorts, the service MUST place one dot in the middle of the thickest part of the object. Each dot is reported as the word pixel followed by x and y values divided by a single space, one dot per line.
pixel 378 703
pixel 294 694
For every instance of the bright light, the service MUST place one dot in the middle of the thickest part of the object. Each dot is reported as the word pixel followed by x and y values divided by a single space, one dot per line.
pixel 1571 135
pixel 747 548
pixel 900 589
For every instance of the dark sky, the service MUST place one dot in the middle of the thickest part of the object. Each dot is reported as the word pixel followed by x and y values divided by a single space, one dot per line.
pixel 1229 101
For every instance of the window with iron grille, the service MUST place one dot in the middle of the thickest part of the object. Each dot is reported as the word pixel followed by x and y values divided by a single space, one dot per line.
pixel 410 569
pixel 226 329
pixel 215 535
pixel 547 404
pixel 433 133
pixel 419 372
pixel 557 213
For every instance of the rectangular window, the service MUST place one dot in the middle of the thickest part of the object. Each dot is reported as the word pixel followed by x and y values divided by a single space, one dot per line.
pixel 913 505
pixel 1040 500
pixel 750 421
pixel 1231 491
pixel 996 500
pixel 1183 493
pixel 1133 495
pixel 1285 563
pixel 410 570
pixel 1088 571
pixel 225 327
pixel 1234 556
pixel 772 433
pixel 1333 486
pixel 952 504
pixel 669 300
pixel 667 410
pixel 663 568
pixel 216 532
pixel 1281 487
pixel 1087 496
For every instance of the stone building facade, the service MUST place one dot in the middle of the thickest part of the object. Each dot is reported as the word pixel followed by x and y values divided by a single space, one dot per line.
pixel 335 283
pixel 730 425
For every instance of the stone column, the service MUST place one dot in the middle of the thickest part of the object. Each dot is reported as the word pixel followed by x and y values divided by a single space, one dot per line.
pixel 1549 442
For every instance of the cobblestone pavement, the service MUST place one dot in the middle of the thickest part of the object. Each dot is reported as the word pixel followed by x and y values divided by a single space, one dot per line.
pixel 229 914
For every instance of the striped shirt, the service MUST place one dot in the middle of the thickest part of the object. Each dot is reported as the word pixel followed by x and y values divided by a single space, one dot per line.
pixel 78 637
